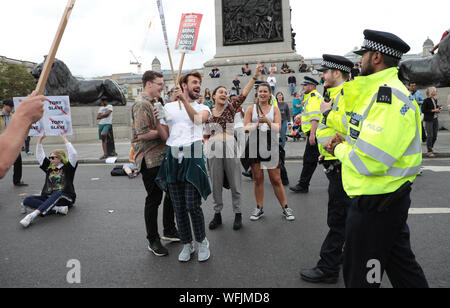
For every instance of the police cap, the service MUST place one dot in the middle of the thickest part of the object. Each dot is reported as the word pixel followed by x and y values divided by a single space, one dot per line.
pixel 334 62
pixel 387 43
pixel 309 80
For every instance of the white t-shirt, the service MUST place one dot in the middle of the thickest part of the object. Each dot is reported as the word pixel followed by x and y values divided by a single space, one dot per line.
pixel 272 81
pixel 239 120
pixel 182 131
pixel 109 119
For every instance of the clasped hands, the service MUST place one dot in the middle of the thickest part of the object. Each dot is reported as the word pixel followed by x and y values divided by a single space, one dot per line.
pixel 331 145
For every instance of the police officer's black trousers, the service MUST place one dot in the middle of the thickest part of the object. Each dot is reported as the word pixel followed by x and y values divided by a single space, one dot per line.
pixel 373 238
pixel 310 162
pixel 331 254
pixel 17 170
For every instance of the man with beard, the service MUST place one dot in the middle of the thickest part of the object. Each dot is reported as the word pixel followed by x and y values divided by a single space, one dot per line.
pixel 149 151
pixel 183 172
pixel 336 71
pixel 380 161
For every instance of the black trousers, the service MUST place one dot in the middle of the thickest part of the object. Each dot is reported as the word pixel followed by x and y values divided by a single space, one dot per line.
pixel 110 145
pixel 331 253
pixel 152 202
pixel 381 237
pixel 310 162
pixel 17 171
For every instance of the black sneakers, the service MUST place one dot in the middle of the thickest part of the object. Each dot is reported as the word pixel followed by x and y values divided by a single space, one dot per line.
pixel 158 249
pixel 216 222
pixel 171 236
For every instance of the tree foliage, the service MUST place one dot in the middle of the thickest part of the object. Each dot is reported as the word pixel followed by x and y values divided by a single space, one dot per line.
pixel 15 81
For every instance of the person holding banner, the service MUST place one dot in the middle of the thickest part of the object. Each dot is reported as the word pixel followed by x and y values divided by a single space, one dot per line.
pixel 223 156
pixel 12 137
pixel 58 194
pixel 183 171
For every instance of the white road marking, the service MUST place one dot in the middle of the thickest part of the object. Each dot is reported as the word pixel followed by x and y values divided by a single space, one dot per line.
pixel 437 168
pixel 426 211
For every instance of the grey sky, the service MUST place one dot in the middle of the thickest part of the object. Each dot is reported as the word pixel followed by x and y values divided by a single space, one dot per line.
pixel 101 32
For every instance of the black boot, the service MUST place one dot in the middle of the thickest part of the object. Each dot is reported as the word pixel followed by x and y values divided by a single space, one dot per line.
pixel 217 221
pixel 237 222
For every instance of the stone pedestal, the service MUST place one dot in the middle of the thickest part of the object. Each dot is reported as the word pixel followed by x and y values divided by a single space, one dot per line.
pixel 227 55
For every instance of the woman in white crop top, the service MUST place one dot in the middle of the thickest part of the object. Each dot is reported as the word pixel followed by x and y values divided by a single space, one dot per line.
pixel 261 120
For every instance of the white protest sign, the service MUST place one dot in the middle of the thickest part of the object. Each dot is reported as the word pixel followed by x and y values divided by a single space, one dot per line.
pixel 57 118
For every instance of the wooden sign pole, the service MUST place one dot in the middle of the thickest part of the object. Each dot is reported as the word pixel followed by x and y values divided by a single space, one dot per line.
pixel 51 55
pixel 177 82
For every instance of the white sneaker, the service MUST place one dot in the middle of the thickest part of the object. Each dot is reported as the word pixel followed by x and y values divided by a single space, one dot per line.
pixel 23 209
pixel 63 210
pixel 26 222
pixel 257 214
pixel 185 255
pixel 288 214
pixel 203 251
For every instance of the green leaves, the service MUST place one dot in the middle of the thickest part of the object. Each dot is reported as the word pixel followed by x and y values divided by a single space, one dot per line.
pixel 15 81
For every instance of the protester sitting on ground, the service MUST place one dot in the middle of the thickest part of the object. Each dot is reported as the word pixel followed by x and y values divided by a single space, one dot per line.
pixel 131 168
pixel 214 73
pixel 259 118
pixel 265 70
pixel 223 160
pixel 431 111
pixel 58 194
pixel 246 70
pixel 285 69
pixel 11 139
pixel 443 37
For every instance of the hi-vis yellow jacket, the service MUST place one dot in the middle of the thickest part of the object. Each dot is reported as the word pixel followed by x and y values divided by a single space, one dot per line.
pixel 328 129
pixel 383 149
pixel 311 110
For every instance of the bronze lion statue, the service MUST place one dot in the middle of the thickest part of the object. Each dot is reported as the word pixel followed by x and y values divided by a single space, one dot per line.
pixel 430 71
pixel 61 82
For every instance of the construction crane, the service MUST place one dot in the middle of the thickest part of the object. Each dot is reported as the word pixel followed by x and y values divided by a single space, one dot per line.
pixel 137 63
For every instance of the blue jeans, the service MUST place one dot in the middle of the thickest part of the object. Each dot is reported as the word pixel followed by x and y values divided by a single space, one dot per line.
pixel 45 204
pixel 292 88
pixel 283 131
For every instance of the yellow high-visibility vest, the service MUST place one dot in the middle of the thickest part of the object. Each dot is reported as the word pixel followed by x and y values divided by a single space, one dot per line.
pixel 326 131
pixel 383 149
pixel 311 110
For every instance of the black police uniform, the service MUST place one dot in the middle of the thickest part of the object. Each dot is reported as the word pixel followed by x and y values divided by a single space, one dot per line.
pixel 366 225
pixel 331 253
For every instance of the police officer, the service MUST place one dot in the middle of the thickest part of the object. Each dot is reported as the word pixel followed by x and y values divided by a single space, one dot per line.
pixel 336 71
pixel 310 122
pixel 380 160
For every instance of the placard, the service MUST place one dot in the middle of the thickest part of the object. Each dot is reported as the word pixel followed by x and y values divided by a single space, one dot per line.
pixel 188 33
pixel 57 118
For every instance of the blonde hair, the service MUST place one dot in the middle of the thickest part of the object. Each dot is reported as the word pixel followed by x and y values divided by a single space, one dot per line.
pixel 430 91
pixel 61 154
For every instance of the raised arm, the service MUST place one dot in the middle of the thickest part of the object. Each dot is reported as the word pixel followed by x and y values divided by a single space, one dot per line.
pixel 71 152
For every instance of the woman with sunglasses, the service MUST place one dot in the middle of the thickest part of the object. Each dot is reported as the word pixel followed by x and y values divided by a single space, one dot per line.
pixel 58 194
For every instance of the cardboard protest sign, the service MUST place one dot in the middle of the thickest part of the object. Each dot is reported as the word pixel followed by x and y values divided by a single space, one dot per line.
pixel 57 118
pixel 188 33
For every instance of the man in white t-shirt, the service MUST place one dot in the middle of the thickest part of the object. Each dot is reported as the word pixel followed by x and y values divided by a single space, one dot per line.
pixel 105 115
pixel 183 173
pixel 272 81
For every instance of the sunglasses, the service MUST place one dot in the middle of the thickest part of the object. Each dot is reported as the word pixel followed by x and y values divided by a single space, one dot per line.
pixel 52 157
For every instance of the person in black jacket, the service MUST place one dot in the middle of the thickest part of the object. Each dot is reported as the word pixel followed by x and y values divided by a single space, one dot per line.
pixel 58 194
pixel 431 110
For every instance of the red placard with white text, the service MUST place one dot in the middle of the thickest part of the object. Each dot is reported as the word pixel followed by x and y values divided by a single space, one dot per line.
pixel 188 33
